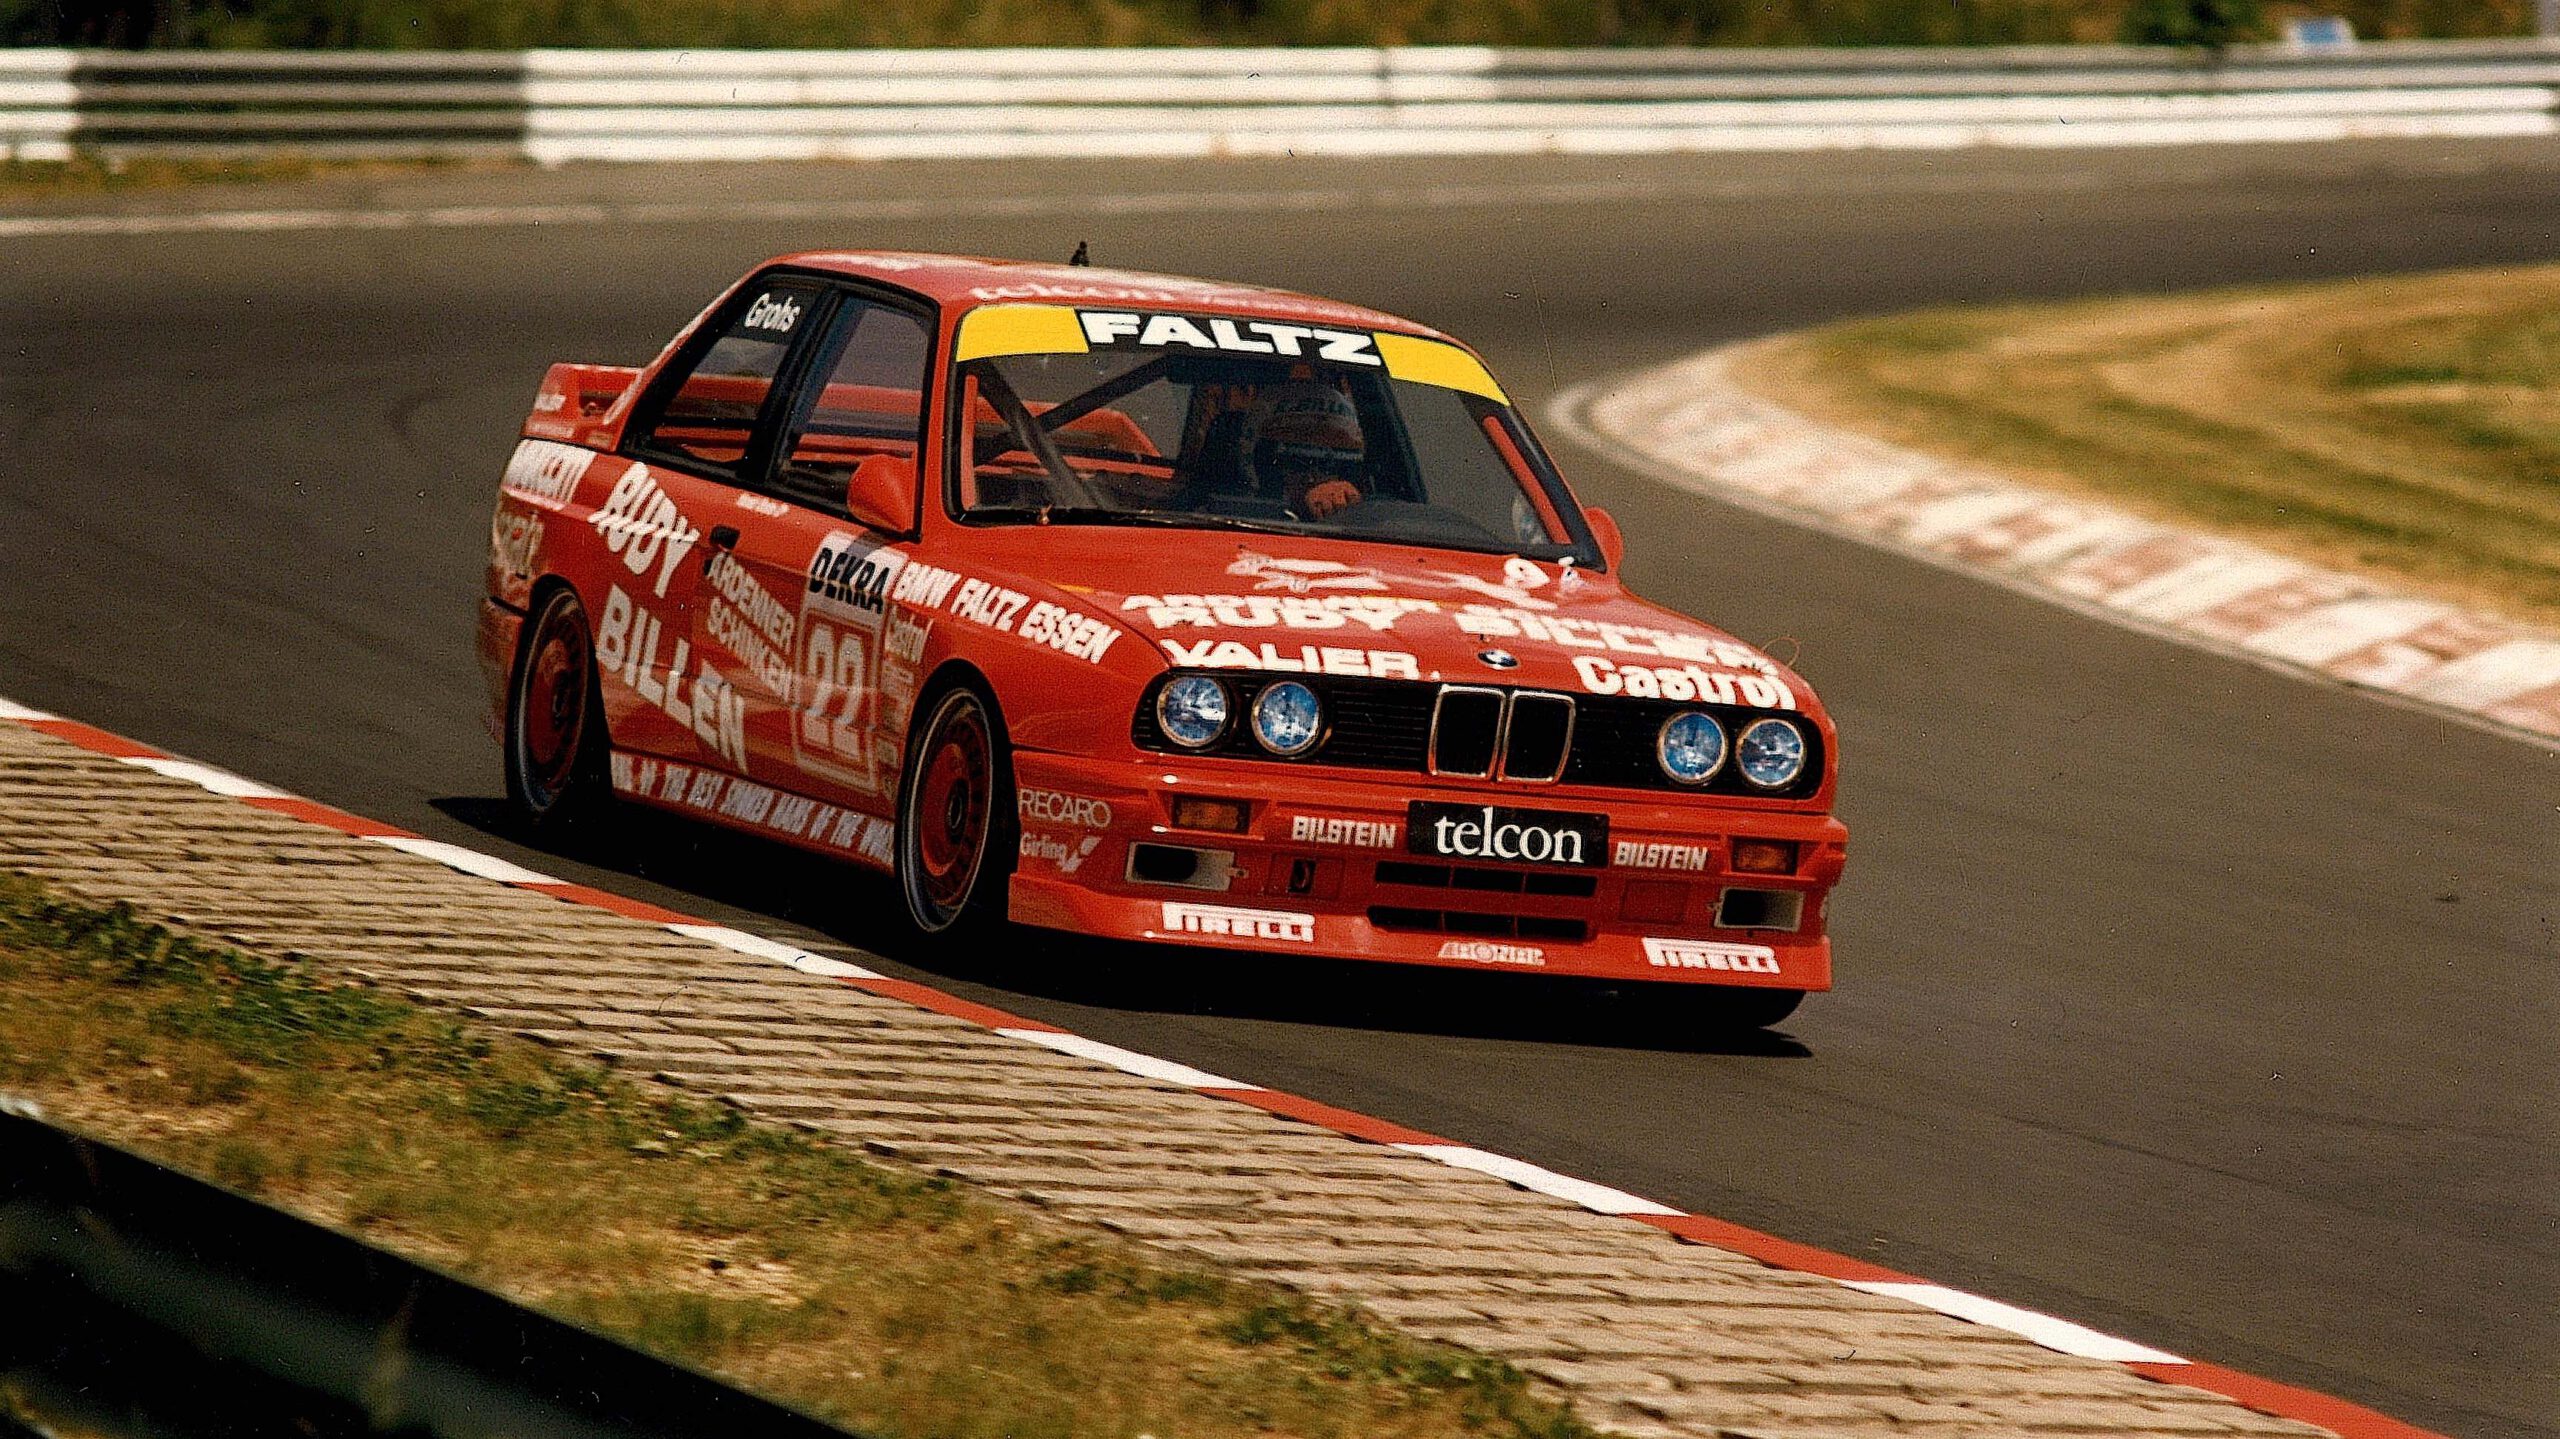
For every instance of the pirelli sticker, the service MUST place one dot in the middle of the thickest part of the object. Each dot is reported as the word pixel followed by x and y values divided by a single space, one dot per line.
pixel 996 330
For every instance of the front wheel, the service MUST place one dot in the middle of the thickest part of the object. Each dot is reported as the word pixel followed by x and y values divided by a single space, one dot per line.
pixel 555 736
pixel 955 817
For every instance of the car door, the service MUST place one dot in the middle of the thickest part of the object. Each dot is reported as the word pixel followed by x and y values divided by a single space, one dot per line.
pixel 705 422
pixel 800 608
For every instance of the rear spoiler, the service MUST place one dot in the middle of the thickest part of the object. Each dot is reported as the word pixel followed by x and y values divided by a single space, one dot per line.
pixel 573 398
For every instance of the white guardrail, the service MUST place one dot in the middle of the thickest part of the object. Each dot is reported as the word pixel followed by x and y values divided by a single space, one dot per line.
pixel 562 105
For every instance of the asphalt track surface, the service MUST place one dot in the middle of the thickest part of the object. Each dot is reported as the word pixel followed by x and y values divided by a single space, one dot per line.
pixel 2200 1004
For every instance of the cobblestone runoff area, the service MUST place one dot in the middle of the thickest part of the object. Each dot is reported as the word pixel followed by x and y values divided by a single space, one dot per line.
pixel 1693 423
pixel 1651 1335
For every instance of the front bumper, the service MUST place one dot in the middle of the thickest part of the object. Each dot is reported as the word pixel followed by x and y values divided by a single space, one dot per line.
pixel 1323 866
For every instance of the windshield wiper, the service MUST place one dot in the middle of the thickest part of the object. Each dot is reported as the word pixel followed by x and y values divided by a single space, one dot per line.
pixel 1150 519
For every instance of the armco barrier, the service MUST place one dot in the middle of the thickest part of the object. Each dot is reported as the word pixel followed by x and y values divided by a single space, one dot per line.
pixel 137 1300
pixel 563 105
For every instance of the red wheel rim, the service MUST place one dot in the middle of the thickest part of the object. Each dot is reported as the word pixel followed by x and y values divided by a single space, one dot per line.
pixel 554 720
pixel 951 808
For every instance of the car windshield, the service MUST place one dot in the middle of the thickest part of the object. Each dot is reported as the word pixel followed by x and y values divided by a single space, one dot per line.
pixel 1255 442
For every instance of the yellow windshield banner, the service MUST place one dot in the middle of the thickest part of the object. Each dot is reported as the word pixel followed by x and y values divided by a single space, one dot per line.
pixel 1432 362
pixel 998 330
pixel 1019 330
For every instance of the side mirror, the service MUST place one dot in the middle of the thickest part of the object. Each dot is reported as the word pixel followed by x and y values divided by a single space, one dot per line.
pixel 882 494
pixel 1604 530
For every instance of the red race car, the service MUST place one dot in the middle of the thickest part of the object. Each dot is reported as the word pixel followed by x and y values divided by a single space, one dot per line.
pixel 1149 608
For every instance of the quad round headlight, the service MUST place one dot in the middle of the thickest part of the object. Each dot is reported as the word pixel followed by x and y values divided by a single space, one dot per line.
pixel 1771 753
pixel 1690 748
pixel 1287 718
pixel 1192 711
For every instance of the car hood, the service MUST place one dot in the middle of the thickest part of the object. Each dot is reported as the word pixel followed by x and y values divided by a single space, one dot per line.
pixel 1280 603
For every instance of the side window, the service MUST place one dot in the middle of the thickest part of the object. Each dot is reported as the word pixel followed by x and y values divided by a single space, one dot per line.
pixel 869 401
pixel 710 417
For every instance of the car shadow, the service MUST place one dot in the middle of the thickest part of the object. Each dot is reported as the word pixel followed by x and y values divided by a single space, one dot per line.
pixel 862 909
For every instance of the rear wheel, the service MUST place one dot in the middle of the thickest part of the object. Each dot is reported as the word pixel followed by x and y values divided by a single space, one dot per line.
pixel 555 748
pixel 955 816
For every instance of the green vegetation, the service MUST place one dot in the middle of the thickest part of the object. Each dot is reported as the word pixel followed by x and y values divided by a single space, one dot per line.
pixel 2211 24
pixel 506 24
pixel 2405 427
pixel 898 1304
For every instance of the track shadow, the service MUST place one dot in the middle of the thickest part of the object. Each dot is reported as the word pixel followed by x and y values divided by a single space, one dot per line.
pixel 862 909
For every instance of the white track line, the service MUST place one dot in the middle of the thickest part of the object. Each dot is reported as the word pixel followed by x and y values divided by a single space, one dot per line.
pixel 469 861
pixel 756 946
pixel 220 781
pixel 2057 1334
pixel 1127 1061
pixel 1599 1198
pixel 12 710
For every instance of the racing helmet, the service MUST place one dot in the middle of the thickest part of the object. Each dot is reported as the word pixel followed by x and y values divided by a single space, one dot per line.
pixel 1301 430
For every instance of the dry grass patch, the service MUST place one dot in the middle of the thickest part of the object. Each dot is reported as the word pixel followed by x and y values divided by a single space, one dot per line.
pixel 2407 428
pixel 889 1301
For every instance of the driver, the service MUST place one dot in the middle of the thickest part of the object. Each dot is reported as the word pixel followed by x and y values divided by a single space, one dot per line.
pixel 1302 444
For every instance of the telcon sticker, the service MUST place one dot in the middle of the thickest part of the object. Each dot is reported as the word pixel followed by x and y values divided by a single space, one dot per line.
pixel 1640 854
pixel 546 473
pixel 628 637
pixel 1348 833
pixel 1688 682
pixel 1049 806
pixel 1258 612
pixel 1700 954
pixel 640 523
pixel 1272 925
pixel 1512 836
pixel 1298 659
pixel 1105 329
pixel 1483 951
pixel 785 816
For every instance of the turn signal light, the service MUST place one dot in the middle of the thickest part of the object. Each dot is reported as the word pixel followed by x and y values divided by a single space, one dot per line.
pixel 1226 816
pixel 1764 856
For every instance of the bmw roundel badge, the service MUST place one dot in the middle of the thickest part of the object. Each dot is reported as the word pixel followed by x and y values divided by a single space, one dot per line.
pixel 1499 659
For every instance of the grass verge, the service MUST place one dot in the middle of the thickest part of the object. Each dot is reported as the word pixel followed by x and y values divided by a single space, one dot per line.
pixel 2407 428
pixel 893 1303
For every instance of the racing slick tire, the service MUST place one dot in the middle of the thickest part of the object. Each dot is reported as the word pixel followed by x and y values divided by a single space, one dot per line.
pixel 555 737
pixel 956 816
